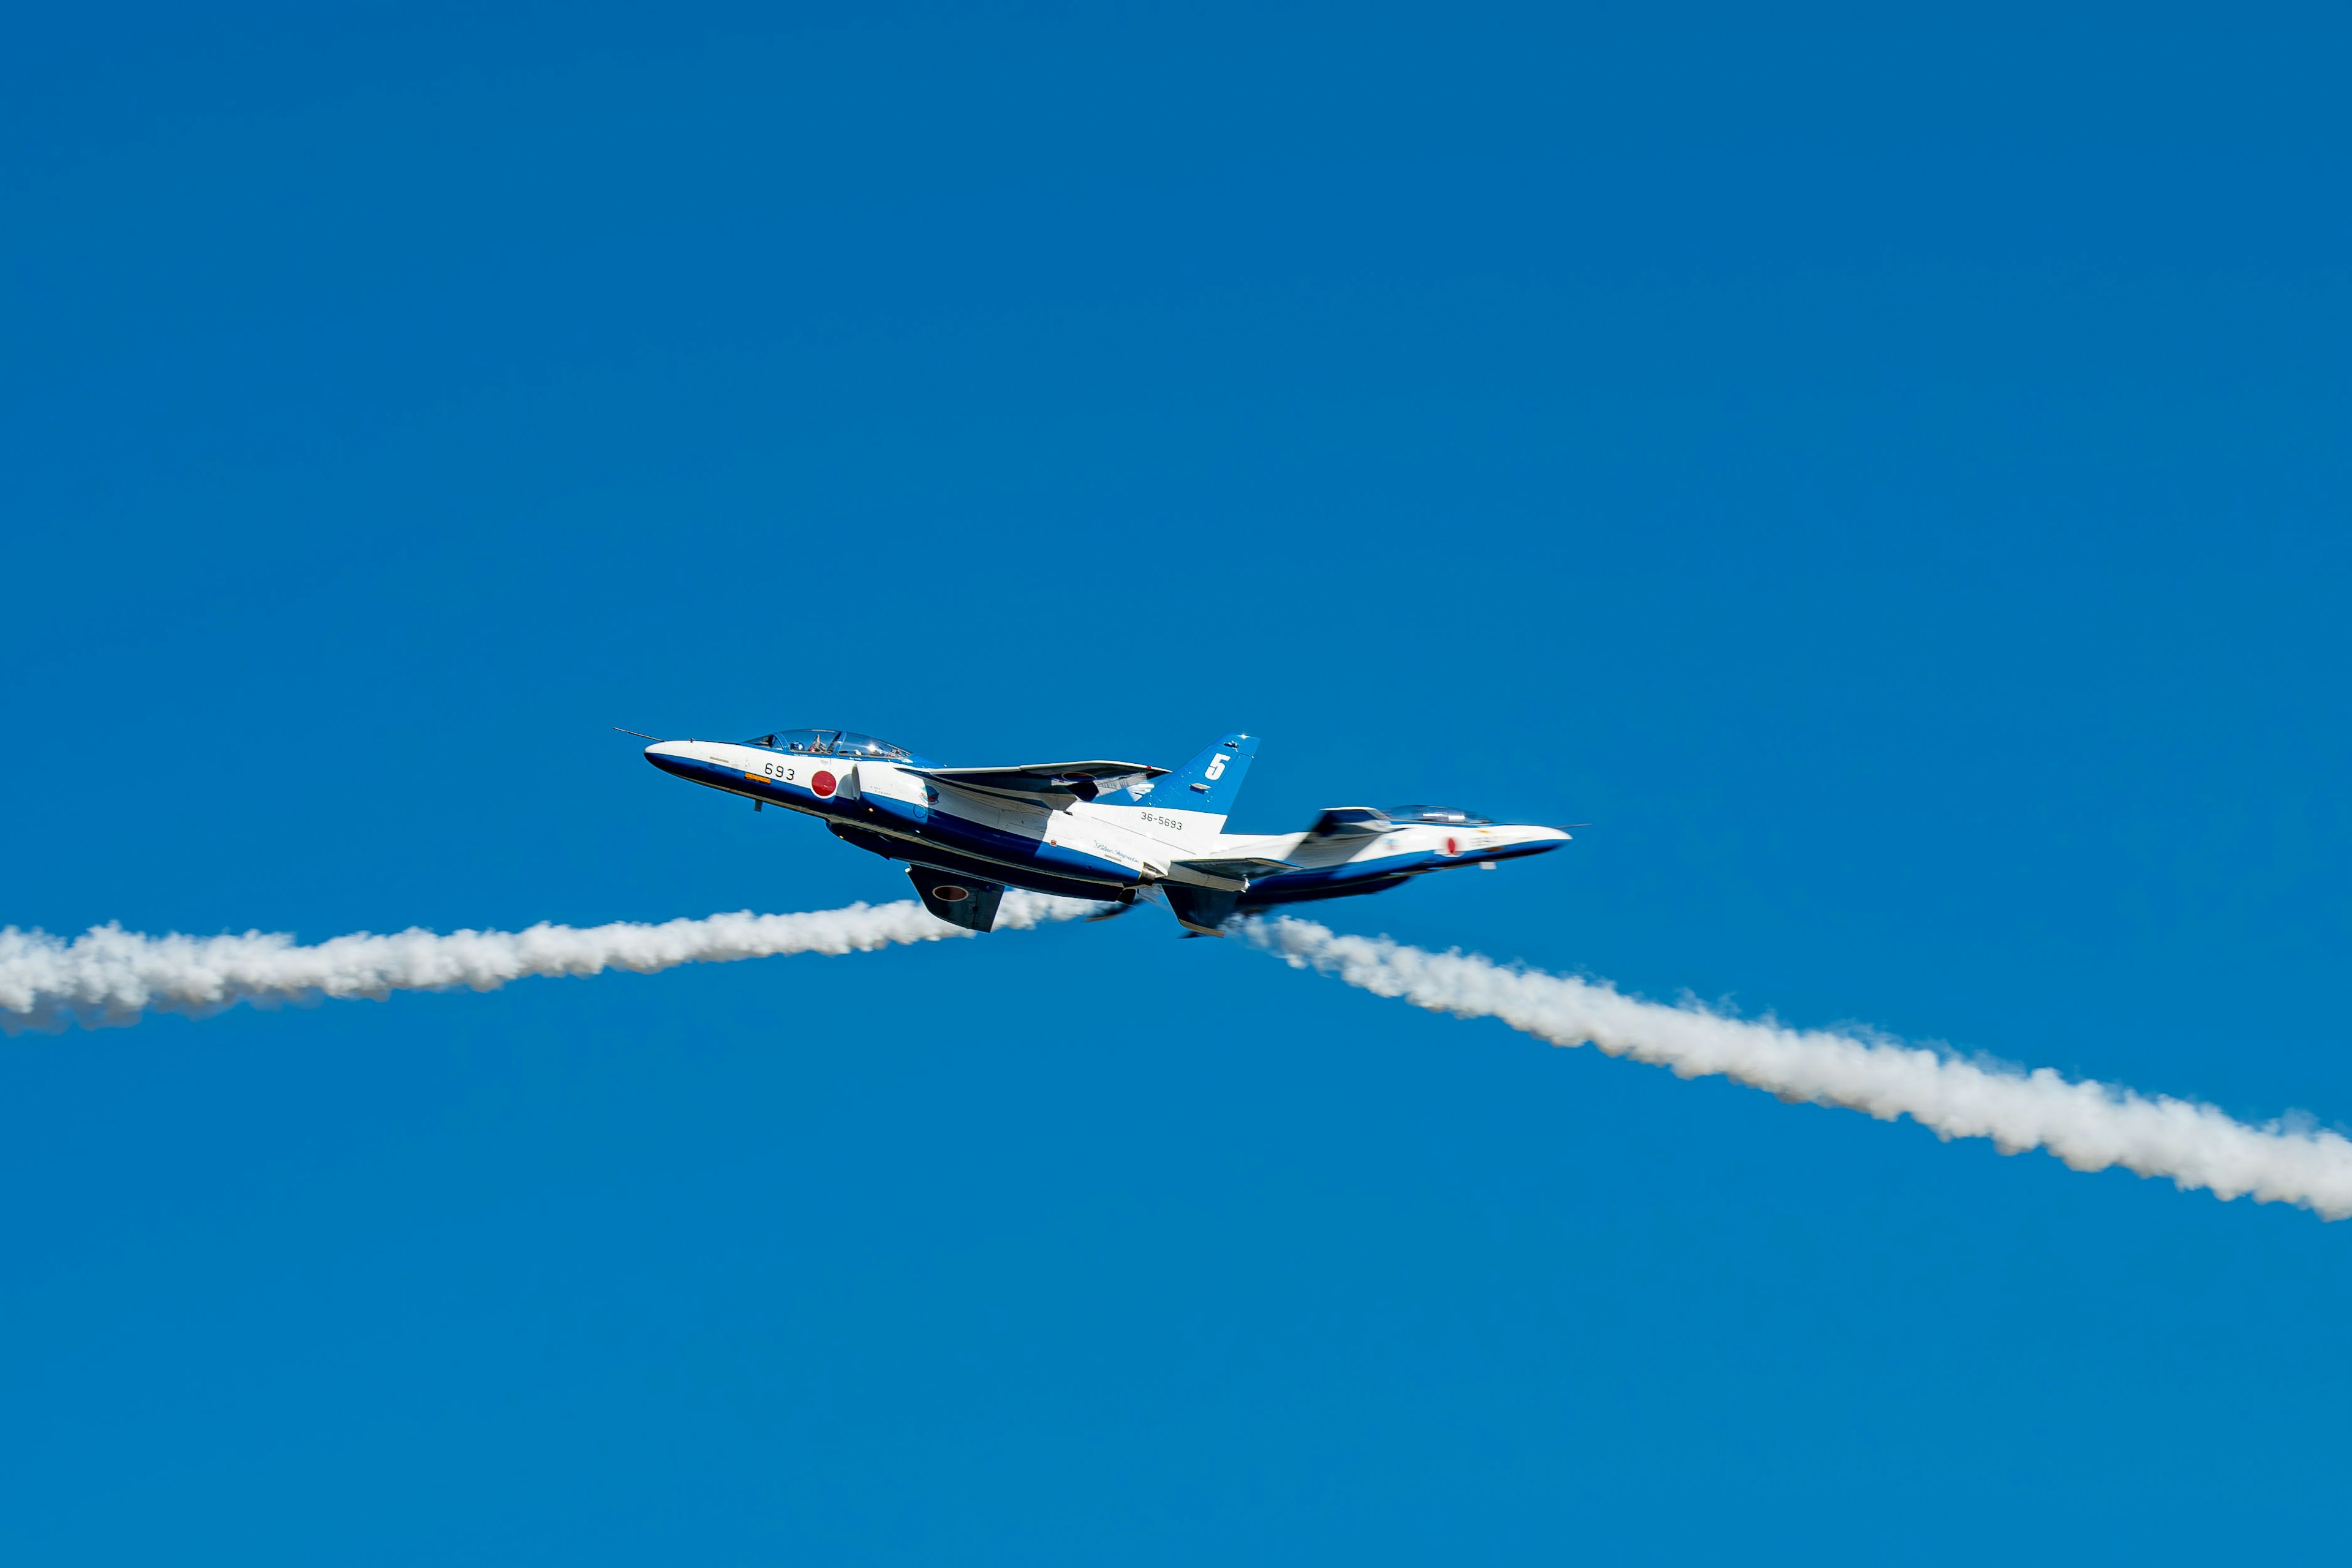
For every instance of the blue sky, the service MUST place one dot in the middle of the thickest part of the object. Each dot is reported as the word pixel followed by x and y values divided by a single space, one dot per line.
pixel 1888 474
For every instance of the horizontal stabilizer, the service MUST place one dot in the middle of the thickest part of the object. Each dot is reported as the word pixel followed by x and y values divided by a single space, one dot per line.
pixel 1202 912
pixel 1054 784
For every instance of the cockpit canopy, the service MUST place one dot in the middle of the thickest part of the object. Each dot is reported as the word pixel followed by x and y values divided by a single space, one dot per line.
pixel 1441 815
pixel 832 743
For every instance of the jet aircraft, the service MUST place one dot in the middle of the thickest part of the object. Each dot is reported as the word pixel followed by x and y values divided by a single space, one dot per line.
pixel 1109 831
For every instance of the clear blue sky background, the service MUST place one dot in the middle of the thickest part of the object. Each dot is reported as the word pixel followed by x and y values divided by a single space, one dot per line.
pixel 1890 475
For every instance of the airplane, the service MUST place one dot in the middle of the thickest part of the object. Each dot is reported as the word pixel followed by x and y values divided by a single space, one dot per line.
pixel 1110 831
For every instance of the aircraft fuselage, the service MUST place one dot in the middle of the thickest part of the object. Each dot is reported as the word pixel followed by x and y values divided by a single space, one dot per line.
pixel 1107 849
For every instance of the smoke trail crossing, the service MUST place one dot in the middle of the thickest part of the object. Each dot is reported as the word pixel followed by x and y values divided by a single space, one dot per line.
pixel 111 976
pixel 2090 1126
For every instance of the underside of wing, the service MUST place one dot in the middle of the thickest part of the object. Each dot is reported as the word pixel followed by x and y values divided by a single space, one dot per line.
pixel 958 900
pixel 1054 784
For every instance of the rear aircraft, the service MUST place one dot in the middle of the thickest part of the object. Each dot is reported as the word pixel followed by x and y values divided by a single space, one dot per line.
pixel 1110 831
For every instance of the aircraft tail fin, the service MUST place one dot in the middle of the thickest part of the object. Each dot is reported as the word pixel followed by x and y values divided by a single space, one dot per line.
pixel 1210 782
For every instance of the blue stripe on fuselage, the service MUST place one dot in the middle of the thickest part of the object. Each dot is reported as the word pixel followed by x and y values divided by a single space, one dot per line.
pixel 922 852
pixel 928 823
pixel 1316 883
pixel 1020 849
pixel 1313 883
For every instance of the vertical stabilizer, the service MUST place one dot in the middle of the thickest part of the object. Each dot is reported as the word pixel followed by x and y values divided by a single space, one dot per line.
pixel 1210 782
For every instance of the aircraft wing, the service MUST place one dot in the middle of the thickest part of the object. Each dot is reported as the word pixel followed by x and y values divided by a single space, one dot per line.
pixel 1056 784
pixel 1347 825
pixel 1237 868
pixel 958 900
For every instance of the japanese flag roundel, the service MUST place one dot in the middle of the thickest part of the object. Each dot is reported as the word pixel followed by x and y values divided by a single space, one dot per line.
pixel 824 783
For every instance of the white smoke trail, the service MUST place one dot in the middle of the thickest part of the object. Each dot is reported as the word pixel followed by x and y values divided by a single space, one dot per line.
pixel 111 976
pixel 2090 1126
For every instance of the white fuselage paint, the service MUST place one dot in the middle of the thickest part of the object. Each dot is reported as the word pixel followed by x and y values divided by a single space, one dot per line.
pixel 1147 840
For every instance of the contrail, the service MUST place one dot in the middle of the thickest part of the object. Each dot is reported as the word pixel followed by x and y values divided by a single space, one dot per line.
pixel 2090 1126
pixel 111 976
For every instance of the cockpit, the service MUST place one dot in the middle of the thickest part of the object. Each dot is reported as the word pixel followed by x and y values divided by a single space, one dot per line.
pixel 832 743
pixel 1437 816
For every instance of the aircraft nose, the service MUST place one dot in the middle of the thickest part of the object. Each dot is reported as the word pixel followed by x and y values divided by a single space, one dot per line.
pixel 667 755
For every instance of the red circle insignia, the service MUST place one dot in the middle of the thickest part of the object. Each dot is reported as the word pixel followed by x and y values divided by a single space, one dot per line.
pixel 1451 847
pixel 823 784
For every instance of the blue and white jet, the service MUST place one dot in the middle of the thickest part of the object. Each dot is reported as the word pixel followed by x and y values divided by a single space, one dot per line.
pixel 1115 832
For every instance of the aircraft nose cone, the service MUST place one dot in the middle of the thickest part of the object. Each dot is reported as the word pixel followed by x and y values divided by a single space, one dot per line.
pixel 667 755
